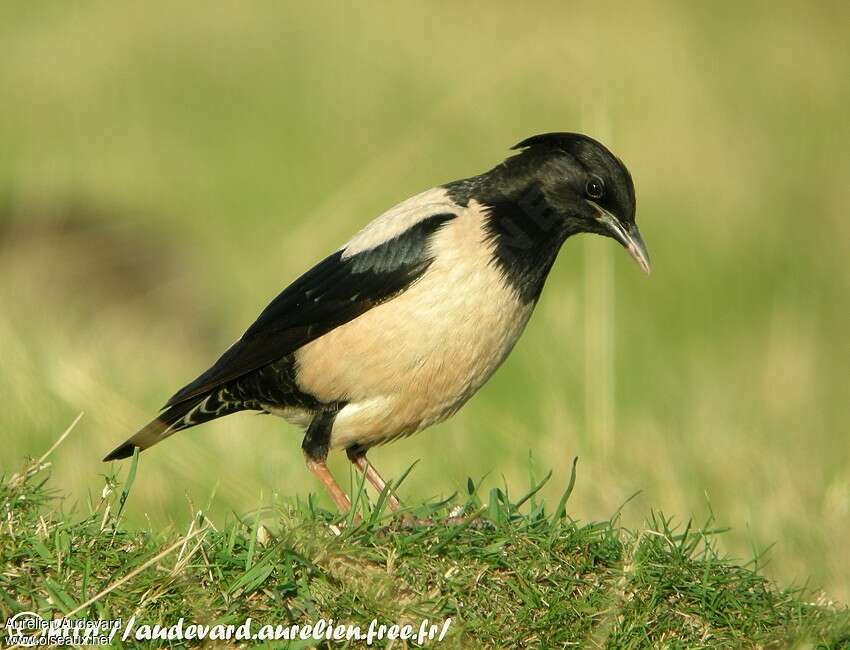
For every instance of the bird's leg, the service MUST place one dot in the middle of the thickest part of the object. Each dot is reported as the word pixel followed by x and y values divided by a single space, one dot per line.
pixel 319 468
pixel 357 455
pixel 315 448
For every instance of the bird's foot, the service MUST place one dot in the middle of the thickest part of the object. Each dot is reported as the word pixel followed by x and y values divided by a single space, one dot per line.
pixel 409 521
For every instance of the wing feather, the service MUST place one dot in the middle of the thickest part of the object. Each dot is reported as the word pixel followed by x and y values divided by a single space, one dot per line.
pixel 338 289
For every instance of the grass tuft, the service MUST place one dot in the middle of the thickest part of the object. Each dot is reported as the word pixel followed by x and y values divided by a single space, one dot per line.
pixel 512 574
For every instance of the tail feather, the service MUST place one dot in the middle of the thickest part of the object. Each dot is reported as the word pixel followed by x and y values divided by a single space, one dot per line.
pixel 170 421
pixel 197 410
pixel 149 435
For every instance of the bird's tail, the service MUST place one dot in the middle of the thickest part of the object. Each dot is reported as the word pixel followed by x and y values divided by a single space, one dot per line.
pixel 172 420
pixel 183 415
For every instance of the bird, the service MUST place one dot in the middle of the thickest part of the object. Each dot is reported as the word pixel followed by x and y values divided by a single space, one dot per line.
pixel 398 328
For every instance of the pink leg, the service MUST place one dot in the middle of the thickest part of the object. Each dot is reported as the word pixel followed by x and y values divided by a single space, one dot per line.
pixel 359 460
pixel 321 471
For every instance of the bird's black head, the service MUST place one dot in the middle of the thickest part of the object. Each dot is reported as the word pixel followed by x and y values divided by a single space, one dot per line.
pixel 558 185
pixel 583 183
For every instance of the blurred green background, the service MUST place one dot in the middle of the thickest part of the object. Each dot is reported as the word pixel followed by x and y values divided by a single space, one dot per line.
pixel 165 169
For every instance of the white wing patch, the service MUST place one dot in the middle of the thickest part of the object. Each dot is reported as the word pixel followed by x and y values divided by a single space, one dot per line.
pixel 399 219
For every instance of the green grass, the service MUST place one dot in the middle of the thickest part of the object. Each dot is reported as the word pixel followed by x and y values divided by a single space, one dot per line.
pixel 509 572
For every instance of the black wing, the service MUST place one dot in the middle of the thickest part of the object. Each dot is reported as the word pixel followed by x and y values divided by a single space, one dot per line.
pixel 330 294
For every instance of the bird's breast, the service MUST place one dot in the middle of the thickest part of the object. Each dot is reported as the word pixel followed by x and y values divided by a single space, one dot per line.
pixel 415 359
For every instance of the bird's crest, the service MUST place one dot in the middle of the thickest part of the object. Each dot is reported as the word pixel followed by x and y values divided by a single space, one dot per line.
pixel 565 141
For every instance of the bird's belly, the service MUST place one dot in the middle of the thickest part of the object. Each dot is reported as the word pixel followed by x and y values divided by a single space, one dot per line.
pixel 417 358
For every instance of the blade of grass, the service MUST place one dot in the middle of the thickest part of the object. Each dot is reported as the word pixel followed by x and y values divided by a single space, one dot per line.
pixel 562 504
pixel 534 490
pixel 17 479
pixel 131 477
pixel 252 542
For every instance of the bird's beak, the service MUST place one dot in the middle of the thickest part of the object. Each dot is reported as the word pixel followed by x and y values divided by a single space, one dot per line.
pixel 628 236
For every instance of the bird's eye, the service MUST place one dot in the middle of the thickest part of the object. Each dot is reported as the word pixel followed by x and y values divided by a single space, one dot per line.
pixel 595 187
